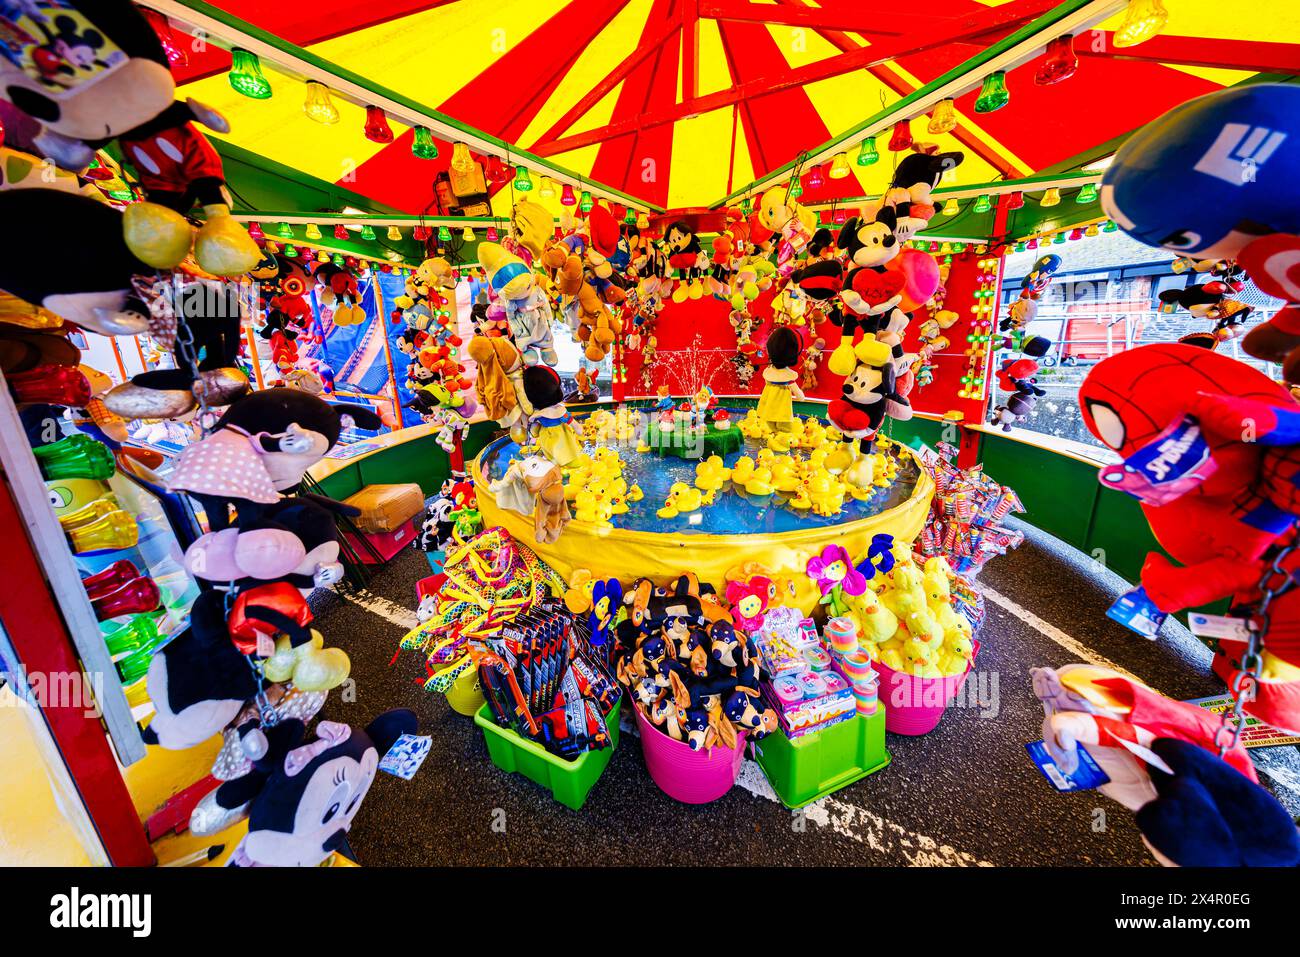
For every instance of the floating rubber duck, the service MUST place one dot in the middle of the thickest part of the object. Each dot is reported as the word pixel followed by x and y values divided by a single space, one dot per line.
pixel 779 442
pixel 785 476
pixel 760 483
pixel 681 499
pixel 743 470
pixel 711 474
pixel 800 500
pixel 634 494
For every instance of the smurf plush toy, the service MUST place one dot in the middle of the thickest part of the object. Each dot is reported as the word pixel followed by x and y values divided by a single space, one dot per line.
pixel 1215 178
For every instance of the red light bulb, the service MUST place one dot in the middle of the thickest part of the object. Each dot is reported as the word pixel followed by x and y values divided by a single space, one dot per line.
pixel 110 579
pixel 137 597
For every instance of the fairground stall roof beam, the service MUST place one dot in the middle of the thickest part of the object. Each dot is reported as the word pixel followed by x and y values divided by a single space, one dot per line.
pixel 1027 184
pixel 229 31
pixel 868 19
pixel 1018 48
pixel 858 58
pixel 1254 56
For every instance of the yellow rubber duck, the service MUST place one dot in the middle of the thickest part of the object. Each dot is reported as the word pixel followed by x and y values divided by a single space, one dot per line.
pixel 760 483
pixel 634 494
pixel 785 477
pixel 779 442
pixel 838 459
pixel 743 470
pixel 711 474
pixel 800 500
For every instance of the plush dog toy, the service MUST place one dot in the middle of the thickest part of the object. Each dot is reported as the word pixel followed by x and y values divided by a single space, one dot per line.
pixel 1210 448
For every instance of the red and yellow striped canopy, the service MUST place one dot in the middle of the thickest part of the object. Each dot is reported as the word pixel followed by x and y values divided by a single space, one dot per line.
pixel 681 102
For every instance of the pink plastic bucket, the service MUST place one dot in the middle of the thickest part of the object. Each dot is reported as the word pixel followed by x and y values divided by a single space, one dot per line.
pixel 916 705
pixel 692 777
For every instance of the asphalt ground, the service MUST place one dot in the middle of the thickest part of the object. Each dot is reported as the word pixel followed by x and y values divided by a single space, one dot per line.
pixel 966 794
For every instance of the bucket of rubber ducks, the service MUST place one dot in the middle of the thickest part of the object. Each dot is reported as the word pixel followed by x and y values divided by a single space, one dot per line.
pixel 905 622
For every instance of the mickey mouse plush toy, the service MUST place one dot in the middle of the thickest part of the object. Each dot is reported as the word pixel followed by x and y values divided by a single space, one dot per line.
pixel 1210 301
pixel 869 393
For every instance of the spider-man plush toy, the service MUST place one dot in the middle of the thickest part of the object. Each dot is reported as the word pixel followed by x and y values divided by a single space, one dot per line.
pixel 1212 448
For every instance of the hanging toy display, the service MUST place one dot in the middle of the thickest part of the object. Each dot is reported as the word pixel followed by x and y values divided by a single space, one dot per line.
pixel 1218 499
pixel 1245 207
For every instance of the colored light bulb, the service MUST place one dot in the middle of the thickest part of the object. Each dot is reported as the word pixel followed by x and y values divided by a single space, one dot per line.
pixel 1058 238
pixel 245 75
pixel 52 384
pixel 1088 194
pixel 839 166
pixel 566 196
pixel 816 178
pixel 1076 233
pixel 444 234
pixel 1142 20
pixel 137 597
pixel 630 217
pixel 111 578
pixel 1032 244
pixel 468 234
pixel 642 221
pixel 1015 200
pixel 394 234
pixel 943 118
pixel 423 147
pixel 112 531
pixel 982 204
pixel 462 160
pixel 77 456
pixel 795 188
pixel 141 631
pixel 1091 231
pixel 377 129
pixel 547 189
pixel 255 232
pixel 291 251
pixel 993 94
pixel 523 180
pixel 840 217
pixel 318 106
pixel 491 234
pixel 950 208
pixel 312 231
pixel 901 138
pixel 867 152
pixel 1109 226
pixel 340 231
pixel 367 232
pixel 586 203
pixel 285 231
pixel 338 259
pixel 1059 62
pixel 1051 197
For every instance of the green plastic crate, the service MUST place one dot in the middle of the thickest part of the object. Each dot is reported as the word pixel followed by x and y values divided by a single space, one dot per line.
pixel 813 765
pixel 569 781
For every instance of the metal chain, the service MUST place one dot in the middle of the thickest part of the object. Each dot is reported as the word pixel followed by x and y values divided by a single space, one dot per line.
pixel 1246 681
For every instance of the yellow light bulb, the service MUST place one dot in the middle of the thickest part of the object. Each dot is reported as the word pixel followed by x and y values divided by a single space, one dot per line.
pixel 547 189
pixel 319 106
pixel 943 119
pixel 839 166
pixel 1051 197
pixel 313 231
pixel 394 234
pixel 1142 20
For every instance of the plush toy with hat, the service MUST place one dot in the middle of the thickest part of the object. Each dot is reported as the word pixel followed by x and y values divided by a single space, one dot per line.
pixel 550 423
pixel 910 190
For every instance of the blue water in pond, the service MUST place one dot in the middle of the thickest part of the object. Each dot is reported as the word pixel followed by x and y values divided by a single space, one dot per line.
pixel 733 512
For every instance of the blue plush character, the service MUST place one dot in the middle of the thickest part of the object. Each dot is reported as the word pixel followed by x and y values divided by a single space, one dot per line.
pixel 1209 814
pixel 1215 178
pixel 606 599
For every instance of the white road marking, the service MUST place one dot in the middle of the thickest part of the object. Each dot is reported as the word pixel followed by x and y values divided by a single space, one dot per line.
pixel 385 608
pixel 865 827
pixel 1050 631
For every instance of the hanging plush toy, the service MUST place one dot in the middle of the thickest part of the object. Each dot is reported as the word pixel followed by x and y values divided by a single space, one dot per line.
pixel 909 190
pixel 1210 301
pixel 337 287
pixel 528 311
pixel 1214 178
pixel 684 256
pixel 500 385
pixel 1210 448
pixel 94 72
pixel 792 224
pixel 550 424
pixel 99 294
pixel 313 791
pixel 868 394
pixel 260 448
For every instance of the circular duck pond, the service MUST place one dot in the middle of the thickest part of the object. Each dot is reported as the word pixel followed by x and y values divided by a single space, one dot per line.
pixel 729 517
